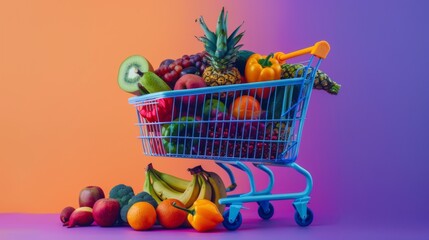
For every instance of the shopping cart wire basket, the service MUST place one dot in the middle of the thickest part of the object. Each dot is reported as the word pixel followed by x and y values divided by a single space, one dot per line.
pixel 198 123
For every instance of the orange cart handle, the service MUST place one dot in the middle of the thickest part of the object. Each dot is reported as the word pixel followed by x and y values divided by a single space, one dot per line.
pixel 319 49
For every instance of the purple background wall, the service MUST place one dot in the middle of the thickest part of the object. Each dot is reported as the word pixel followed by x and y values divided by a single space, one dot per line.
pixel 367 147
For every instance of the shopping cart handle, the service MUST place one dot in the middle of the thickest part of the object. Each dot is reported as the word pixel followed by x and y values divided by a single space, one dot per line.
pixel 319 49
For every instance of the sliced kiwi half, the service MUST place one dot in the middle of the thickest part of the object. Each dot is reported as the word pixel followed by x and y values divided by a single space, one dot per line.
pixel 130 72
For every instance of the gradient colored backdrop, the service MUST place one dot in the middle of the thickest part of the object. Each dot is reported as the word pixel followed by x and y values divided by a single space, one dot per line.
pixel 65 123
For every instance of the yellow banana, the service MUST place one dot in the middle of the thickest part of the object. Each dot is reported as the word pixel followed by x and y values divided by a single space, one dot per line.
pixel 164 191
pixel 218 187
pixel 176 183
pixel 205 188
pixel 191 193
pixel 147 187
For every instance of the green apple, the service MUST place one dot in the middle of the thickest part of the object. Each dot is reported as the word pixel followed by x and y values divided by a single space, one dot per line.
pixel 213 106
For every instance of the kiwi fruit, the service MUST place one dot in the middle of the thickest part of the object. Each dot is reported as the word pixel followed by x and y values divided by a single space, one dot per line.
pixel 130 72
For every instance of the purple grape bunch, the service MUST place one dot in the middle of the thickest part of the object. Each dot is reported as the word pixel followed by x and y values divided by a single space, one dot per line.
pixel 171 70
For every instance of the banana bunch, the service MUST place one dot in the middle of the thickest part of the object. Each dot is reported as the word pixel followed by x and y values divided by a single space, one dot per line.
pixel 203 185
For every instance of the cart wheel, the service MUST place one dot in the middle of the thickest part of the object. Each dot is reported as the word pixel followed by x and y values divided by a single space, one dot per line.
pixel 231 226
pixel 304 222
pixel 266 215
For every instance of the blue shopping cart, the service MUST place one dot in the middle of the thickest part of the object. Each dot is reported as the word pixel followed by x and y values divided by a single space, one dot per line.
pixel 269 137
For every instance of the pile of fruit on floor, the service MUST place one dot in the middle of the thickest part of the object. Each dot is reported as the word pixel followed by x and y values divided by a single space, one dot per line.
pixel 170 201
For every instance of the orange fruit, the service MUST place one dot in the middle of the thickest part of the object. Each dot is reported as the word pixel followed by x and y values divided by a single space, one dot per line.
pixel 246 107
pixel 168 215
pixel 141 216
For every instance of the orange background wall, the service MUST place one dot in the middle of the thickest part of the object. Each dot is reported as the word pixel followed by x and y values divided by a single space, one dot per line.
pixel 65 123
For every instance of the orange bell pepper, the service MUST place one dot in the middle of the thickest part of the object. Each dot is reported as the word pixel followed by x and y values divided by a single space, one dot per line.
pixel 204 216
pixel 262 68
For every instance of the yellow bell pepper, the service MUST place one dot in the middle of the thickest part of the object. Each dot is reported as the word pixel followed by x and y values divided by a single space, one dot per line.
pixel 262 68
pixel 204 216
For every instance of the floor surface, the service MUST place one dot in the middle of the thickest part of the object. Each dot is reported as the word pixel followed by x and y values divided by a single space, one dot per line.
pixel 48 226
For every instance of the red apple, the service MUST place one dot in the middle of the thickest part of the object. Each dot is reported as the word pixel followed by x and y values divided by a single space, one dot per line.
pixel 190 81
pixel 65 214
pixel 80 217
pixel 106 211
pixel 89 195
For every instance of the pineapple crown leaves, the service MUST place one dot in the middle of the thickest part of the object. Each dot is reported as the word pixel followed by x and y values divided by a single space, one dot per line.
pixel 220 47
pixel 221 33
pixel 209 35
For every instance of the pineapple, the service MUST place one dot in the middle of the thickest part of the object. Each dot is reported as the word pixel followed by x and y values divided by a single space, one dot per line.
pixel 222 52
pixel 321 80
